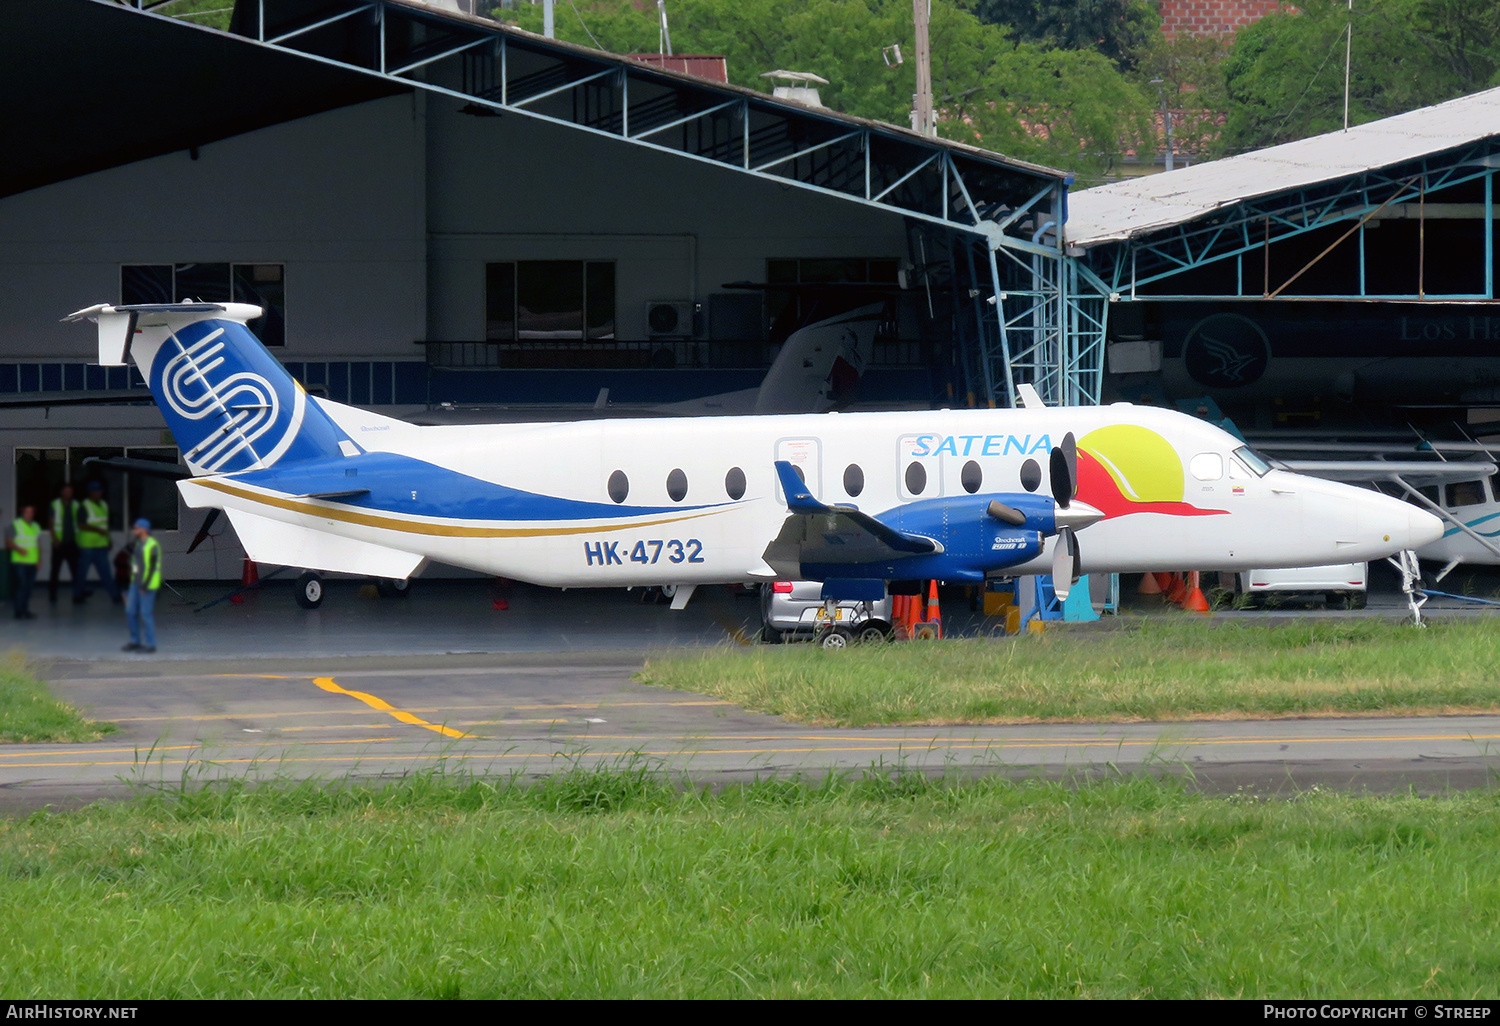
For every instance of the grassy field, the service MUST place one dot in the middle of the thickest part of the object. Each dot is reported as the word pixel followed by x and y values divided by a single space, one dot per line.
pixel 29 714
pixel 618 885
pixel 1152 671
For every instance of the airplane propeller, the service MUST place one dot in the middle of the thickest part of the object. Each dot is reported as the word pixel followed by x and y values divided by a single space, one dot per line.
pixel 1066 563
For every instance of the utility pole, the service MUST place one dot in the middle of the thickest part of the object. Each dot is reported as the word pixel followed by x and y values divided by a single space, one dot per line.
pixel 664 37
pixel 547 19
pixel 1348 52
pixel 1166 118
pixel 922 120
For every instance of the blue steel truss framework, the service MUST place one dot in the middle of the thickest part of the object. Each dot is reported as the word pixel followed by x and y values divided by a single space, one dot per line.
pixel 1007 208
pixel 1248 229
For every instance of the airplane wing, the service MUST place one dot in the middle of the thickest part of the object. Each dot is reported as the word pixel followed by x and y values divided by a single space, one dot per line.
pixel 817 533
pixel 1420 471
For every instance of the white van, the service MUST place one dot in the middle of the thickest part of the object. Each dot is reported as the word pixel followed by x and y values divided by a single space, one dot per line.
pixel 1344 586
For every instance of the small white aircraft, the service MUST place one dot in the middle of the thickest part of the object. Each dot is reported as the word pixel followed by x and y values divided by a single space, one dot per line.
pixel 853 500
pixel 1461 492
pixel 817 369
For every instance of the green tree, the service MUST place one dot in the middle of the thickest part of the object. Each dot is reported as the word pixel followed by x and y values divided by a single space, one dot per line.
pixel 1121 30
pixel 1284 76
pixel 1061 107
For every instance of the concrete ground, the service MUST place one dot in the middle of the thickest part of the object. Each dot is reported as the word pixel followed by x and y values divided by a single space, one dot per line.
pixel 376 688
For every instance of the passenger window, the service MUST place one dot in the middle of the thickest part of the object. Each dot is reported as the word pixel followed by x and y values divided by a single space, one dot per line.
pixel 619 486
pixel 1466 493
pixel 677 485
pixel 734 483
pixel 1031 475
pixel 1207 466
pixel 854 480
pixel 971 477
pixel 916 478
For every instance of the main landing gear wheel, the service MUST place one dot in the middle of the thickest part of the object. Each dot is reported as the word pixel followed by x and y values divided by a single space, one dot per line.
pixel 309 591
pixel 391 587
pixel 834 638
pixel 873 632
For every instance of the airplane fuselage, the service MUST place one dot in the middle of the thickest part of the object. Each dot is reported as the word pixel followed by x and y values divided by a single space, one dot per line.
pixel 698 498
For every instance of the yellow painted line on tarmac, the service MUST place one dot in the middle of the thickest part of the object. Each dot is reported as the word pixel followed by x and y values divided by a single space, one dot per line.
pixel 330 685
pixel 257 715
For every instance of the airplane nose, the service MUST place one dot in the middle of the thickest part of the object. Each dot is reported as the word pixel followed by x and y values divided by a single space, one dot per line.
pixel 1422 528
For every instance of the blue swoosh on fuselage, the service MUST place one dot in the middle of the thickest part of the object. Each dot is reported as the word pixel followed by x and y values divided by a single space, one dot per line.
pixel 1471 525
pixel 413 487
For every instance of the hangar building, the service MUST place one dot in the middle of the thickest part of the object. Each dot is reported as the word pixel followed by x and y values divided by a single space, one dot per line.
pixel 1343 282
pixel 433 207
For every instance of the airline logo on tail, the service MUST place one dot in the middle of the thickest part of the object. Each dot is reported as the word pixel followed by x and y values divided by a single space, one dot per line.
pixel 228 414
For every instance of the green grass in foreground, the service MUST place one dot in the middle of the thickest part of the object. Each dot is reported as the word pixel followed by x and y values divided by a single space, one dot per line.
pixel 1154 671
pixel 619 885
pixel 29 714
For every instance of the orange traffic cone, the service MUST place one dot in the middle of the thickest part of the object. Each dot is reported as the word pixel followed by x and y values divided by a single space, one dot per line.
pixel 1178 590
pixel 1149 585
pixel 1164 581
pixel 934 612
pixel 1197 602
pixel 249 574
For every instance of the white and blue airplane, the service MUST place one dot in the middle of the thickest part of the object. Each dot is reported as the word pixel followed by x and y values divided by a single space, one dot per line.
pixel 855 500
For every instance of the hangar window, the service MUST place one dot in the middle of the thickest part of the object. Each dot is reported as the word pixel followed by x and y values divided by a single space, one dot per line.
pixel 677 485
pixel 971 477
pixel 734 483
pixel 263 285
pixel 1031 475
pixel 619 486
pixel 916 477
pixel 41 472
pixel 788 310
pixel 854 480
pixel 563 300
pixel 1207 466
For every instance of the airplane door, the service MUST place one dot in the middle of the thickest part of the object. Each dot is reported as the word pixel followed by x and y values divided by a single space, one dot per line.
pixel 806 455
pixel 919 473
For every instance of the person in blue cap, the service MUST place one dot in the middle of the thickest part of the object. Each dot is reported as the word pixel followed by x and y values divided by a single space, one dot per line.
pixel 145 582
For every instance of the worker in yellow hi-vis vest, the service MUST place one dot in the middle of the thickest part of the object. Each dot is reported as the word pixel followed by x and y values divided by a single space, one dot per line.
pixel 93 544
pixel 23 539
pixel 145 582
pixel 64 522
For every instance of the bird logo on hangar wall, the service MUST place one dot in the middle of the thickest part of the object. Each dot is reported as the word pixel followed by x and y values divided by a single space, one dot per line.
pixel 1226 350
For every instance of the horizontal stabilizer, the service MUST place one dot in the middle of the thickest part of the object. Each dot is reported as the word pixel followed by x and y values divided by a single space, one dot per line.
pixel 270 541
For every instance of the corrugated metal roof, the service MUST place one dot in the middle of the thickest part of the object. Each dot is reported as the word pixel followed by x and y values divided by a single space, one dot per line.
pixel 1122 210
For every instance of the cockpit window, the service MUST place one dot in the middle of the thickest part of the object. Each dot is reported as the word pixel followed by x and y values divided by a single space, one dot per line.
pixel 1254 460
pixel 1466 493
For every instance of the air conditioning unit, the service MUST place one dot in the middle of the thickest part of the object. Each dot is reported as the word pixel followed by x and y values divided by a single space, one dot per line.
pixel 670 319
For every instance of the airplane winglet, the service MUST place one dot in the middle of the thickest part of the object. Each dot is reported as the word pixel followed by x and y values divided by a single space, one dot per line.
pixel 798 498
pixel 1028 397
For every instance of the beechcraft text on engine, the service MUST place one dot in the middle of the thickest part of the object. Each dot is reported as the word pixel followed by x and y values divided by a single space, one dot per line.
pixel 853 500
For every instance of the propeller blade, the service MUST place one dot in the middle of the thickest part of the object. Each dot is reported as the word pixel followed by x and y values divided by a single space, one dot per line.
pixel 208 523
pixel 1064 563
pixel 1006 514
pixel 1064 471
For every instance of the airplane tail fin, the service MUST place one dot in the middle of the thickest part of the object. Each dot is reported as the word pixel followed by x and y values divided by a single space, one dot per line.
pixel 229 404
pixel 820 364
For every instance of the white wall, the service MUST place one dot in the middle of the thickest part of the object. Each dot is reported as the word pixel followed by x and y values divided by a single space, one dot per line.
pixel 338 198
pixel 515 188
